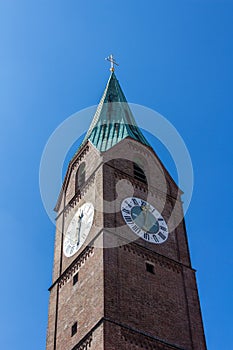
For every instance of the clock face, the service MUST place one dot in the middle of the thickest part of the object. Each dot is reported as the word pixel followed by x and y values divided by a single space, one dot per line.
pixel 144 220
pixel 78 229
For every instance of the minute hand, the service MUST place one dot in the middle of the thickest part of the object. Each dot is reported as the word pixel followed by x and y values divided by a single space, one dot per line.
pixel 148 222
pixel 79 228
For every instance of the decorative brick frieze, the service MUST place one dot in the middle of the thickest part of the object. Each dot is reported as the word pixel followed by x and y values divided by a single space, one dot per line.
pixel 139 148
pixel 79 157
pixel 142 341
pixel 153 257
pixel 137 184
pixel 73 163
pixel 84 344
pixel 76 198
pixel 145 188
pixel 77 264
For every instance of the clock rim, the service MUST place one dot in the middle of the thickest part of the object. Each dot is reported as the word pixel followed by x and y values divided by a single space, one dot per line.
pixel 65 235
pixel 141 235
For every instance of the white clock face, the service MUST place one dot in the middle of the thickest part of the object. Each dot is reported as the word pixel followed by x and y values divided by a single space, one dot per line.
pixel 78 229
pixel 144 220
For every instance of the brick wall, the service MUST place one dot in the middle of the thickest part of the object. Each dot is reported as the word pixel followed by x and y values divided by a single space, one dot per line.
pixel 116 302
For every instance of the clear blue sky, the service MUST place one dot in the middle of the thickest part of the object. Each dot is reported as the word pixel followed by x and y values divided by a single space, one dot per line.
pixel 175 57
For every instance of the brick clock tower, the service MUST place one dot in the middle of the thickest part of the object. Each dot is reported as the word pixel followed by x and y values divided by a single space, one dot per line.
pixel 122 276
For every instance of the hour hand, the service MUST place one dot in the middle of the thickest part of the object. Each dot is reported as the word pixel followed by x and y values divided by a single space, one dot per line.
pixel 145 216
pixel 78 232
pixel 81 216
pixel 79 228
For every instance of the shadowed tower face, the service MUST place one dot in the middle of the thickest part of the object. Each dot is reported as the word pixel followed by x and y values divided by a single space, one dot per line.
pixel 122 276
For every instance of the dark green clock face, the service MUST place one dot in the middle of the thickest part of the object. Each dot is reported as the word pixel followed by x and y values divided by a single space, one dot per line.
pixel 144 220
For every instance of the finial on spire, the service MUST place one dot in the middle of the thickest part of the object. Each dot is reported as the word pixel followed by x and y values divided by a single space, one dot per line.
pixel 113 62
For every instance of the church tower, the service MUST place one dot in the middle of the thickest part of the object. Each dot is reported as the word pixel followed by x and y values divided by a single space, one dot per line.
pixel 122 276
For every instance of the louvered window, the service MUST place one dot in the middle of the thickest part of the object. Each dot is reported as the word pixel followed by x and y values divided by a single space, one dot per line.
pixel 139 173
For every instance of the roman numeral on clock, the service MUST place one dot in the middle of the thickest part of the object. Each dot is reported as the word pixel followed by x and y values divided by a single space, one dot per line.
pixel 144 220
pixel 160 234
pixel 147 236
pixel 128 219
pixel 129 205
pixel 156 238
pixel 136 229
pixel 135 201
pixel 126 211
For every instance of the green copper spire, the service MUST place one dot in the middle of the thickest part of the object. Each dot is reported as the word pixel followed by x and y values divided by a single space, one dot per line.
pixel 113 120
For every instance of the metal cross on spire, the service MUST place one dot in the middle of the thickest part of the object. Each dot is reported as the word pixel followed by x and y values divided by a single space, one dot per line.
pixel 112 61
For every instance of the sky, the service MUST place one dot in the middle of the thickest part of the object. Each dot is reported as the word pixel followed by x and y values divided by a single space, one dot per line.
pixel 175 57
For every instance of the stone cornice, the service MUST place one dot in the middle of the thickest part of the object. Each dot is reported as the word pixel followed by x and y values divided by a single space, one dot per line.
pixel 85 343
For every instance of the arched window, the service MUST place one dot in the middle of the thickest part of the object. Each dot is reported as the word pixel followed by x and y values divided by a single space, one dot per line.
pixel 80 177
pixel 139 173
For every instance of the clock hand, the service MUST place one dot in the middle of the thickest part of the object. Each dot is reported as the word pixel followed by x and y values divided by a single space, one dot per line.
pixel 149 220
pixel 145 214
pixel 79 227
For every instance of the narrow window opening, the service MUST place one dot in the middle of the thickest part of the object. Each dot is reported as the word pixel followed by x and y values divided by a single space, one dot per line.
pixel 75 279
pixel 150 268
pixel 80 177
pixel 74 329
pixel 139 173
